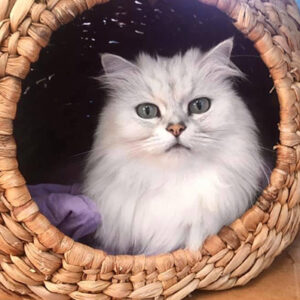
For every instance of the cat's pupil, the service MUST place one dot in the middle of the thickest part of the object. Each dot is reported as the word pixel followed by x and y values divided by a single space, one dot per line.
pixel 147 110
pixel 199 104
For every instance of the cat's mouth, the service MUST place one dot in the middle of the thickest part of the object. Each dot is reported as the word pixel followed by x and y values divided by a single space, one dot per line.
pixel 177 146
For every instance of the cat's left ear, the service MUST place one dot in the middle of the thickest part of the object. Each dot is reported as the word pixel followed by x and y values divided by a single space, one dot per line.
pixel 116 64
pixel 221 52
pixel 217 65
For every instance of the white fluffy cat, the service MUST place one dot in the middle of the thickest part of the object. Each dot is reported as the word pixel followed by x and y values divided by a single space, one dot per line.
pixel 176 154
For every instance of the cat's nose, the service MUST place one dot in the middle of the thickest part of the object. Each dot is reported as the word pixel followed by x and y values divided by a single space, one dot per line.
pixel 176 129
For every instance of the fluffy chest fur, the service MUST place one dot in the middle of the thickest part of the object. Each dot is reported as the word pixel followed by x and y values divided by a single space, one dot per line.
pixel 147 208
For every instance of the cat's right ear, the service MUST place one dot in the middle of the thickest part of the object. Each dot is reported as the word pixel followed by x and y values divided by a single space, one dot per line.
pixel 116 64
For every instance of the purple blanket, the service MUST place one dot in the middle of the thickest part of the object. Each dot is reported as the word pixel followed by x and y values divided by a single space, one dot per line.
pixel 73 213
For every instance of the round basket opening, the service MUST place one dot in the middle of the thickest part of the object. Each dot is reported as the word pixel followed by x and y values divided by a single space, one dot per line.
pixel 62 97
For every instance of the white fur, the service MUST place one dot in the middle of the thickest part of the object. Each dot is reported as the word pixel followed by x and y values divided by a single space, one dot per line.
pixel 152 201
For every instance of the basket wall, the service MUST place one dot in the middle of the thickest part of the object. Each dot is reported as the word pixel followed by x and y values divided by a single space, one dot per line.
pixel 39 262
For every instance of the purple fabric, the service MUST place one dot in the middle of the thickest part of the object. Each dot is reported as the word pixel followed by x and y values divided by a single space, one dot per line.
pixel 73 213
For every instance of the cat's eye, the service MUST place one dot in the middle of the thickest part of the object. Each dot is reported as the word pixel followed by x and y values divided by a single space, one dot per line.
pixel 147 111
pixel 199 105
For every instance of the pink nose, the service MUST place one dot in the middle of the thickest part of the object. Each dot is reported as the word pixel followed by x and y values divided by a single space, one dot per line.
pixel 176 129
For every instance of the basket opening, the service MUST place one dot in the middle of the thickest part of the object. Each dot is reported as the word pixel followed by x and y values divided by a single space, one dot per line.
pixel 61 102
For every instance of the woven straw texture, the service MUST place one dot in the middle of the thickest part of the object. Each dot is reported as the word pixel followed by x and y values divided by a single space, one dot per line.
pixel 39 262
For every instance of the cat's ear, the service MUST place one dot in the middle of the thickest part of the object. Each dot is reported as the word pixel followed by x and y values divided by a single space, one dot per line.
pixel 221 52
pixel 116 64
pixel 217 65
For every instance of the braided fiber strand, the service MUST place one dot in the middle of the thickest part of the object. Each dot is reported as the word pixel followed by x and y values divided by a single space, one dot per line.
pixel 39 262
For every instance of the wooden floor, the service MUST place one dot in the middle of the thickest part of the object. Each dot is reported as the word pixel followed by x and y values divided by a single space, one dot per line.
pixel 281 281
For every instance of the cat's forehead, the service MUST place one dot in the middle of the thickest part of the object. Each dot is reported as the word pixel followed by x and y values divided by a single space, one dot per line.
pixel 171 69
pixel 169 78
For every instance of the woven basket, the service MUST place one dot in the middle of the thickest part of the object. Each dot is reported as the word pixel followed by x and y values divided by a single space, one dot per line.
pixel 40 262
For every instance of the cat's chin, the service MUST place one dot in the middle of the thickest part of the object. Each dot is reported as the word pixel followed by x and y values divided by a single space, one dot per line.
pixel 173 157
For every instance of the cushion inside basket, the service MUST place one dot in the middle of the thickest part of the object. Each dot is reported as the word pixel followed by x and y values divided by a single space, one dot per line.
pixel 67 208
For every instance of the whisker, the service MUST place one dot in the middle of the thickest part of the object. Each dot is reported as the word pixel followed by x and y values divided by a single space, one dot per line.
pixel 267 174
pixel 149 143
pixel 199 137
pixel 84 152
pixel 246 55
pixel 267 149
pixel 202 141
pixel 213 131
pixel 143 141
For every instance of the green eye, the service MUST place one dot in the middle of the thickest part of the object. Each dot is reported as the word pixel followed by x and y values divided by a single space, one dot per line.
pixel 199 105
pixel 147 111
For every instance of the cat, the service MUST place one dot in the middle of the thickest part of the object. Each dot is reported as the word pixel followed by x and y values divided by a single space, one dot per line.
pixel 176 154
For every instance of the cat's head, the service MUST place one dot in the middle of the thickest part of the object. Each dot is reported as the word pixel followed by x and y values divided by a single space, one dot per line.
pixel 174 107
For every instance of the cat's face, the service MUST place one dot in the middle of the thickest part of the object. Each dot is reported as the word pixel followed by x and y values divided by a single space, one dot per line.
pixel 171 107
